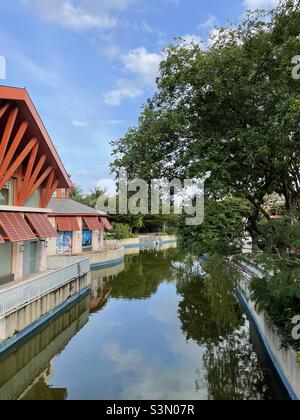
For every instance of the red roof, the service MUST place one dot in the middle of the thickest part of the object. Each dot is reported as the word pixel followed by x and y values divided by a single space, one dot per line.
pixel 15 227
pixel 67 224
pixel 41 225
pixel 93 223
pixel 11 97
pixel 106 223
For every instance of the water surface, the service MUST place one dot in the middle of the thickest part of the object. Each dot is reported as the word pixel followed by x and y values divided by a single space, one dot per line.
pixel 150 330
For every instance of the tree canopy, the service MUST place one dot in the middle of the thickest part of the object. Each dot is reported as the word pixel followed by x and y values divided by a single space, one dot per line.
pixel 232 108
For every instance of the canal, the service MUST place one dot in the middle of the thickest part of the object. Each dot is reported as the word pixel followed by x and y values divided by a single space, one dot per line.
pixel 157 328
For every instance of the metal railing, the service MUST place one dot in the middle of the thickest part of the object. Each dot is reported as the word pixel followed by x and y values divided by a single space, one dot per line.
pixel 19 295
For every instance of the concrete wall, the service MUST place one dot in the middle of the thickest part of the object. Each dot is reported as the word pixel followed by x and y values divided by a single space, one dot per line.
pixel 287 359
pixel 107 256
pixel 18 259
pixel 77 239
pixel 52 241
pixel 25 316
pixel 284 360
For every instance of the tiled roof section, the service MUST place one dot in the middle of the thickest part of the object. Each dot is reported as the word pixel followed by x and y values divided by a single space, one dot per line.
pixel 93 223
pixel 67 207
pixel 15 227
pixel 67 224
pixel 41 225
pixel 106 223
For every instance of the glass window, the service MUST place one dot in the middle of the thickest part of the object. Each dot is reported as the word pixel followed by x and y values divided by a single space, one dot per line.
pixel 4 197
pixel 86 238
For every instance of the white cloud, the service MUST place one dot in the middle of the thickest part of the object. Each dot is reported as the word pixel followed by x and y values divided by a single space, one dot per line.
pixel 125 361
pixel 260 4
pixel 92 123
pixel 107 185
pixel 80 124
pixel 110 50
pixel 192 39
pixel 144 66
pixel 209 23
pixel 88 14
pixel 142 63
pixel 115 97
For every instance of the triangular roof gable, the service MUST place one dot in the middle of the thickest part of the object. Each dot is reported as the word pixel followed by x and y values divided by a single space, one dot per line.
pixel 25 139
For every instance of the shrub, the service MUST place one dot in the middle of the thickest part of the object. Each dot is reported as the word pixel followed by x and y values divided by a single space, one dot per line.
pixel 121 231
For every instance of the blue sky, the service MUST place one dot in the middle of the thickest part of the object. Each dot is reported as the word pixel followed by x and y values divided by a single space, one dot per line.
pixel 89 65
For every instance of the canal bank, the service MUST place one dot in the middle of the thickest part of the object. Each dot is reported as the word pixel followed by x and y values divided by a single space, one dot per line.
pixel 283 359
pixel 114 251
pixel 144 332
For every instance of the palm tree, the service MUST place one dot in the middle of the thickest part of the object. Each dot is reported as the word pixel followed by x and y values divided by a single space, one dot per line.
pixel 139 222
pixel 76 194
pixel 95 194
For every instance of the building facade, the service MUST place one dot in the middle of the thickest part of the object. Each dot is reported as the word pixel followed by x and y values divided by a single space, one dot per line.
pixel 79 228
pixel 30 172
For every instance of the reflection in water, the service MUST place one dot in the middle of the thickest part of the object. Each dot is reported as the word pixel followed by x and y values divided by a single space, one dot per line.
pixel 143 274
pixel 32 361
pixel 157 329
pixel 211 316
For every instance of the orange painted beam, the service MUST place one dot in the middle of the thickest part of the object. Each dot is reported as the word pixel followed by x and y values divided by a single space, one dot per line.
pixel 54 187
pixel 3 109
pixel 18 184
pixel 17 163
pixel 39 182
pixel 17 140
pixel 48 188
pixel 7 133
pixel 29 184
pixel 29 170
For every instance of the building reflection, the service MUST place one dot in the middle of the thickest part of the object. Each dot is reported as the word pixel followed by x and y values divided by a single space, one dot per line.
pixel 25 365
pixel 101 286
pixel 25 373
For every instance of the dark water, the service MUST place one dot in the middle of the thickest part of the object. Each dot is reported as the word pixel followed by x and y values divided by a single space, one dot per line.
pixel 155 331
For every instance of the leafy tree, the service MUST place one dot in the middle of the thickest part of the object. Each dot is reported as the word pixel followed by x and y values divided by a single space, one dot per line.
pixel 232 109
pixel 222 231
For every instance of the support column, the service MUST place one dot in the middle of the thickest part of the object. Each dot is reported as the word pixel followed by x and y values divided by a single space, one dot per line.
pixel 42 263
pixel 17 260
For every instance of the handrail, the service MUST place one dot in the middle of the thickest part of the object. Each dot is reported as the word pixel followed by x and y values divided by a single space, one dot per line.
pixel 19 295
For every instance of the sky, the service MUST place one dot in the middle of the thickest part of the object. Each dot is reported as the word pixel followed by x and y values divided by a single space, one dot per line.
pixel 90 65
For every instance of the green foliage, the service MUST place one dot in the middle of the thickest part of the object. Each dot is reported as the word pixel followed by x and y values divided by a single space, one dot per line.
pixel 279 296
pixel 282 236
pixel 87 199
pixel 223 229
pixel 120 231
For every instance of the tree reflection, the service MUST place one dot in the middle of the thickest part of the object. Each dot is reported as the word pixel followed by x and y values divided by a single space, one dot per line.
pixel 143 274
pixel 209 311
pixel 233 370
pixel 211 316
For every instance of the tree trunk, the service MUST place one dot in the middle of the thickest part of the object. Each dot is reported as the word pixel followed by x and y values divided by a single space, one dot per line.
pixel 253 229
